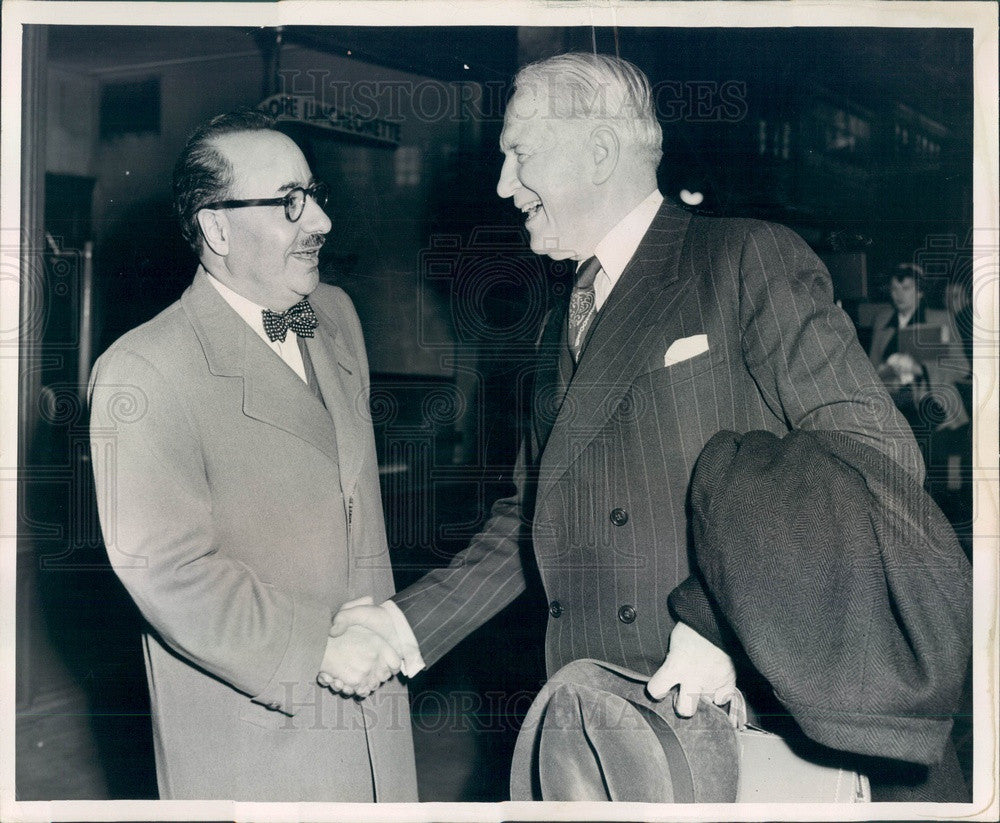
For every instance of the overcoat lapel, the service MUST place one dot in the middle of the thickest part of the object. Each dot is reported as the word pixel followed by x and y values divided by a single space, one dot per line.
pixel 340 381
pixel 639 312
pixel 272 392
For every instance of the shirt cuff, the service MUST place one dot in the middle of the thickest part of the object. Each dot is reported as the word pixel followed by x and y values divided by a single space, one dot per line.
pixel 409 651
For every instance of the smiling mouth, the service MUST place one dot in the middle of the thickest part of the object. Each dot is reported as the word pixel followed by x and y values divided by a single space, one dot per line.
pixel 310 253
pixel 531 209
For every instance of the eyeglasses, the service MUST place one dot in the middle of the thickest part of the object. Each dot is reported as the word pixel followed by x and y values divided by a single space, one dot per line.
pixel 294 202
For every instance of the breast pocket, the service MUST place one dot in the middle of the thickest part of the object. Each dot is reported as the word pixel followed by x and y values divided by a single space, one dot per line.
pixel 686 369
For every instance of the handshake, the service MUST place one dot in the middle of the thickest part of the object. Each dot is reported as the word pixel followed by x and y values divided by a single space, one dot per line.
pixel 364 649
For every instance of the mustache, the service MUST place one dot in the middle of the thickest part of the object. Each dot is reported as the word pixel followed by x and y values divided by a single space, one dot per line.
pixel 313 242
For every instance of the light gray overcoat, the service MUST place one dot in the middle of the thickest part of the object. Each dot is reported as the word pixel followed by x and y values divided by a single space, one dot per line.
pixel 240 517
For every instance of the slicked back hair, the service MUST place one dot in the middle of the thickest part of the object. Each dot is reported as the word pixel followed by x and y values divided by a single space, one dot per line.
pixel 598 87
pixel 203 174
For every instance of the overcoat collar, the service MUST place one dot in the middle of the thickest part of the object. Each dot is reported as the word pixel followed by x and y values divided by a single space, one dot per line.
pixel 272 392
pixel 637 313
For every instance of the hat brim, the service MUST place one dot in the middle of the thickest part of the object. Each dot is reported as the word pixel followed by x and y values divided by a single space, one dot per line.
pixel 614 715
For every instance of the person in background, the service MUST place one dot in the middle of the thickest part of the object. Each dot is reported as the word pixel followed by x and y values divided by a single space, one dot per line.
pixel 921 375
pixel 239 497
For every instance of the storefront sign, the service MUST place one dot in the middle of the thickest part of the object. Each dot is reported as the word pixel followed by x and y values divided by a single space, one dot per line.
pixel 301 108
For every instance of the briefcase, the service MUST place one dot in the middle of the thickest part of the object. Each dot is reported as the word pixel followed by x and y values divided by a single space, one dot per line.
pixel 771 772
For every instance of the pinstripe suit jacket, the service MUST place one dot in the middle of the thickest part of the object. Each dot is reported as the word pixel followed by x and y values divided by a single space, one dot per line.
pixel 603 474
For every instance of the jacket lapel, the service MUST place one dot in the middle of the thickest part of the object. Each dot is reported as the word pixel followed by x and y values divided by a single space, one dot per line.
pixel 638 313
pixel 880 338
pixel 340 381
pixel 553 374
pixel 272 392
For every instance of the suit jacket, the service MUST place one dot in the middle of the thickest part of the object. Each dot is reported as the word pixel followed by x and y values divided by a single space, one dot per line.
pixel 240 517
pixel 603 474
pixel 945 364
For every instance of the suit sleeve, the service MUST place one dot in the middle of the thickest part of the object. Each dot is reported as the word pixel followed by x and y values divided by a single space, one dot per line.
pixel 154 501
pixel 447 604
pixel 803 352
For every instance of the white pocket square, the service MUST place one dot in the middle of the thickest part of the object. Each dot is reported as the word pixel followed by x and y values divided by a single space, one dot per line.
pixel 685 349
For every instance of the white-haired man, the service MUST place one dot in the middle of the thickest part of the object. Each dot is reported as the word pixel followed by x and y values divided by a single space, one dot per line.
pixel 678 327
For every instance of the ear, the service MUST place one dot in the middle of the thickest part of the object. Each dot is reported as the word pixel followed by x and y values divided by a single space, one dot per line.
pixel 605 150
pixel 214 225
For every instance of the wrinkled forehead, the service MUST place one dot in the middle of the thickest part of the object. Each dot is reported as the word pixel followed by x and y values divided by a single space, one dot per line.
pixel 263 162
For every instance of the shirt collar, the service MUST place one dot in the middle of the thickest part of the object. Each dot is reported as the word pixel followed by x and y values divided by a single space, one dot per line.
pixel 619 245
pixel 244 307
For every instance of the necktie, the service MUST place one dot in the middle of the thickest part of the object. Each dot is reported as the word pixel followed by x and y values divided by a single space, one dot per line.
pixel 581 306
pixel 300 318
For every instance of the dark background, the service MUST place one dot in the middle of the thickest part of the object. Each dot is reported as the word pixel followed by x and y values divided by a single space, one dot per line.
pixel 860 139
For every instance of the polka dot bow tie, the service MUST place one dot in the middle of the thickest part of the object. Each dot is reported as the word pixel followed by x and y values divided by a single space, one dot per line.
pixel 300 318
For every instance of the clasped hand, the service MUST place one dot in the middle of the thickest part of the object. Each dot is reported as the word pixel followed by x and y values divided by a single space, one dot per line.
pixel 362 650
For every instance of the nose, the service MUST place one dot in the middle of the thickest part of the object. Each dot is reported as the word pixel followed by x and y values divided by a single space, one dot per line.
pixel 314 219
pixel 508 183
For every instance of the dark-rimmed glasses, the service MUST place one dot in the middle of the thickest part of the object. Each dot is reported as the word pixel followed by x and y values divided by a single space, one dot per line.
pixel 294 202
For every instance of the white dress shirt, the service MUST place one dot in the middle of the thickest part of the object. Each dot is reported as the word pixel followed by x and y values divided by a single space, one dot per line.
pixel 619 245
pixel 287 350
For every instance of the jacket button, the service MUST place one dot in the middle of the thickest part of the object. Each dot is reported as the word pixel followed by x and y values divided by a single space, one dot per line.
pixel 619 516
pixel 555 608
pixel 627 614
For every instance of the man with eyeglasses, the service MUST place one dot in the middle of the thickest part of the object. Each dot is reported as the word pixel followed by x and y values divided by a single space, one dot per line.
pixel 239 499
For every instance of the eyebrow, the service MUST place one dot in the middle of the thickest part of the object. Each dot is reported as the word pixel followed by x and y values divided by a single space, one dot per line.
pixel 289 186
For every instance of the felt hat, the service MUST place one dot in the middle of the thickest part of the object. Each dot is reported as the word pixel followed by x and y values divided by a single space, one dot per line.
pixel 593 733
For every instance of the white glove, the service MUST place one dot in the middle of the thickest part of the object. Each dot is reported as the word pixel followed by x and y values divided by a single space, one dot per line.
pixel 701 671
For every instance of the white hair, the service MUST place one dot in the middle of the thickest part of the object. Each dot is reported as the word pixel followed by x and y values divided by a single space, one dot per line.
pixel 599 87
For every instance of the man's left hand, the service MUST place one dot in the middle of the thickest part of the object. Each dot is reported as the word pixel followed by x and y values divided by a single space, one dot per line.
pixel 700 670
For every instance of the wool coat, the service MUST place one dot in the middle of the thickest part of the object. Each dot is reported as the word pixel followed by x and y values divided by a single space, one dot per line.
pixel 240 514
pixel 603 474
pixel 835 576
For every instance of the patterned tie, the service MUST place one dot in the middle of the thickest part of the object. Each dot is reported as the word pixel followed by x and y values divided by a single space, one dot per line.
pixel 300 318
pixel 581 306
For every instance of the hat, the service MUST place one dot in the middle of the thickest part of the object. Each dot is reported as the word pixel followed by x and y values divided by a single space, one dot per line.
pixel 593 733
